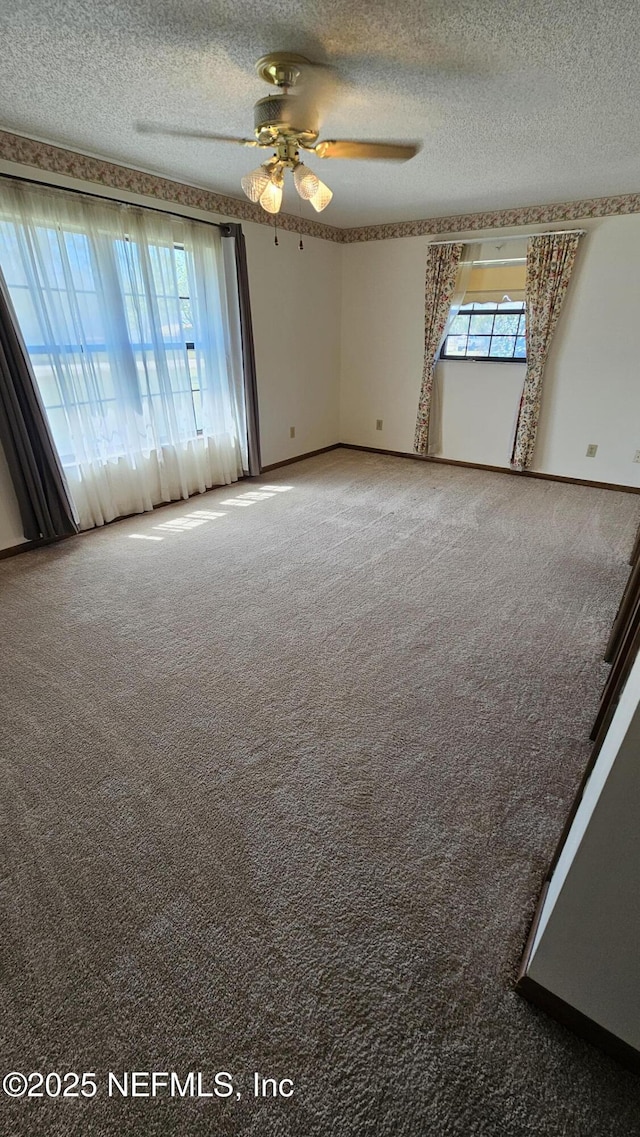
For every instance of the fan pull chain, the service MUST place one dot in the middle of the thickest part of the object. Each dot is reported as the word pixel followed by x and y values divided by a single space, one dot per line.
pixel 300 245
pixel 275 229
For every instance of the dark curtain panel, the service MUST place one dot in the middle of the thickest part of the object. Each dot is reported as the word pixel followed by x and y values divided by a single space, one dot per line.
pixel 248 354
pixel 35 469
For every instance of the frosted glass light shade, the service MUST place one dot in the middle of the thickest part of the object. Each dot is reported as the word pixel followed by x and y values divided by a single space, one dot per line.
pixel 306 182
pixel 271 198
pixel 255 183
pixel 321 197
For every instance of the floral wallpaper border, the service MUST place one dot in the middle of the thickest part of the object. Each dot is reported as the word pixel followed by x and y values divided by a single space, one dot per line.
pixel 498 219
pixel 44 156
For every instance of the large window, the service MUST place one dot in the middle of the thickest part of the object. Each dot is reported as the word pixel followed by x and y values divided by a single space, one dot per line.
pixel 131 320
pixel 488 331
pixel 79 370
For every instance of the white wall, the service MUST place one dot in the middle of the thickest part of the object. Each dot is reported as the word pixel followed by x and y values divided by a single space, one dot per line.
pixel 295 303
pixel 295 300
pixel 592 387
pixel 591 394
pixel 382 341
pixel 586 947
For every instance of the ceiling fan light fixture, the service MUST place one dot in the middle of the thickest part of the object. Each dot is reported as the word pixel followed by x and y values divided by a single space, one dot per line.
pixel 271 197
pixel 321 197
pixel 255 183
pixel 306 182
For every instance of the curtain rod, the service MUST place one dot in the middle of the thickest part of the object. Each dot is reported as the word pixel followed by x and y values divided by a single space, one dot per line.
pixel 513 237
pixel 117 200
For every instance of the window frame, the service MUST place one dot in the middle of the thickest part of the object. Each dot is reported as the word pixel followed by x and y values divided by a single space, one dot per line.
pixel 495 311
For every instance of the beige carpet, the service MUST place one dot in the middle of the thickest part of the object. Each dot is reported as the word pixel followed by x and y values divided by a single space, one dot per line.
pixel 280 790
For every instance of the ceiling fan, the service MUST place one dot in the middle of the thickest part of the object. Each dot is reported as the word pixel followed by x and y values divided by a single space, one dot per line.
pixel 288 122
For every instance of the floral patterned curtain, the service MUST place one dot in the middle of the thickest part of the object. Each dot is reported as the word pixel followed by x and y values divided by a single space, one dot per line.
pixel 442 270
pixel 549 264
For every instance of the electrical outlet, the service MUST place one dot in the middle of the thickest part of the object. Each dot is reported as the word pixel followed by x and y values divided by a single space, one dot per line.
pixel 636 456
pixel 592 450
pixel 378 424
pixel 292 432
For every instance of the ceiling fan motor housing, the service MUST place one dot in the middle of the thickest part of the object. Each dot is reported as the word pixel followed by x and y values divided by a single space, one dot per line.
pixel 280 115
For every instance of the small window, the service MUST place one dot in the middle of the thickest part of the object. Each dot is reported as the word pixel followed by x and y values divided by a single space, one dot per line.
pixel 490 324
pixel 488 331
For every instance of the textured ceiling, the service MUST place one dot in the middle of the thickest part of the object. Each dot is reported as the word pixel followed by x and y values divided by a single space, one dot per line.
pixel 515 102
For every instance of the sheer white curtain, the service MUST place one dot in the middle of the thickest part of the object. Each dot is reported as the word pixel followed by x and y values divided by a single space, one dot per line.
pixel 132 325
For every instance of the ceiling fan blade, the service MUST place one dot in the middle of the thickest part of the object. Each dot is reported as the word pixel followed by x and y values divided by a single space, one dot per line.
pixel 153 128
pixel 392 151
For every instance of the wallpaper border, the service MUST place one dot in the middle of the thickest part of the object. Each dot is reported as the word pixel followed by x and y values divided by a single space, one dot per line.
pixel 55 159
pixel 498 219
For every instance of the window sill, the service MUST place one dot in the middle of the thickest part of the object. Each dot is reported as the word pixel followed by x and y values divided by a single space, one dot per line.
pixel 476 359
